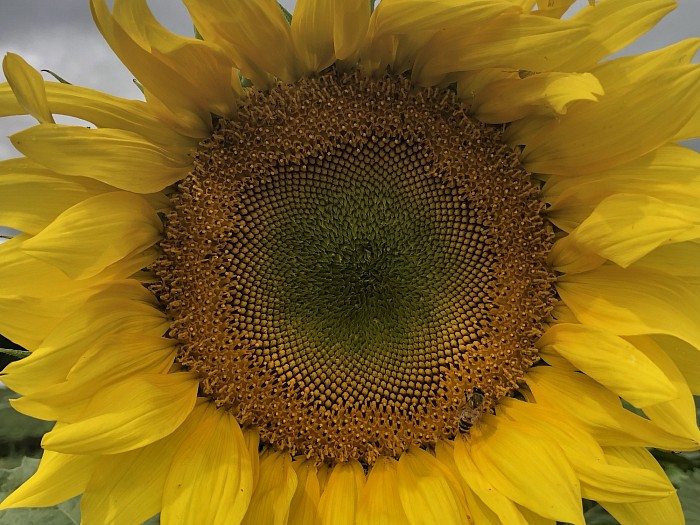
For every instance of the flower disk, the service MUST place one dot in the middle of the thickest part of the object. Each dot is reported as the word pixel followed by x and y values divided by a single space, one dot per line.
pixel 343 274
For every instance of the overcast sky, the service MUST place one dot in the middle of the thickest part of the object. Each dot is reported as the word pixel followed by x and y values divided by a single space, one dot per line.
pixel 59 35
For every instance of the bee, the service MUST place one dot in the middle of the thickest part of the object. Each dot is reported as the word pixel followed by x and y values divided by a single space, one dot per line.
pixel 524 73
pixel 472 410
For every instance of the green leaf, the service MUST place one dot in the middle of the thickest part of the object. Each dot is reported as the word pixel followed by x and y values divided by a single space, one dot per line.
pixel 15 428
pixel 689 493
pixel 693 458
pixel 54 75
pixel 139 85
pixel 632 408
pixel 597 515
pixel 12 478
pixel 681 460
pixel 371 5
pixel 245 82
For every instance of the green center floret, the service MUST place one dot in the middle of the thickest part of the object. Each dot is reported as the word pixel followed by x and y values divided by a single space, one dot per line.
pixel 359 262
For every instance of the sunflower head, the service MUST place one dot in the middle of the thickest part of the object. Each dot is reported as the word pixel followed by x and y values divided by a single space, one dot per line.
pixel 360 266
pixel 365 264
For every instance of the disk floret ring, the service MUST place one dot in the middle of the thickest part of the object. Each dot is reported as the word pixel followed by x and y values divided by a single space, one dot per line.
pixel 343 276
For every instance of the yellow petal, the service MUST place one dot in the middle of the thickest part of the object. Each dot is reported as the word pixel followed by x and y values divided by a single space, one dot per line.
pixel 95 233
pixel 567 256
pixel 375 58
pixel 274 490
pixel 595 136
pixel 128 415
pixel 31 196
pixel 323 473
pixel 533 518
pixel 28 320
pixel 599 410
pixel 626 227
pixel 254 34
pixel 511 41
pixel 600 480
pixel 427 493
pixel 480 513
pixel 667 510
pixel 28 86
pixel 619 485
pixel 303 510
pixel 612 361
pixel 186 110
pixel 562 314
pixel 525 5
pixel 395 17
pixel 637 67
pixel 8 102
pixel 108 111
pixel 677 416
pixel 528 467
pixel 324 31
pixel 113 359
pixel 380 502
pixel 338 503
pixel 312 33
pixel 110 496
pixel 499 503
pixel 511 99
pixel 406 47
pixel 122 307
pixel 615 24
pixel 143 353
pixel 680 260
pixel 685 357
pixel 691 129
pixel 207 67
pixel 633 302
pixel 103 110
pixel 59 477
pixel 211 479
pixel 252 440
pixel 350 24
pixel 119 158
pixel 203 64
pixel 623 71
pixel 21 273
pixel 669 173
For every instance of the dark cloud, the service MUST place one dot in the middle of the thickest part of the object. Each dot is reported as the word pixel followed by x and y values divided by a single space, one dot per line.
pixel 20 19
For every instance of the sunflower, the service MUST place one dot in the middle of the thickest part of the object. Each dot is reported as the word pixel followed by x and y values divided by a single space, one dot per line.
pixel 433 262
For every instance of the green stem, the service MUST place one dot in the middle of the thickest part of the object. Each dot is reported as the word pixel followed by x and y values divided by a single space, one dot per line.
pixel 19 354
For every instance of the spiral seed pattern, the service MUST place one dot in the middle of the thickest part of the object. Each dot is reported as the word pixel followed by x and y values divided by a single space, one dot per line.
pixel 348 259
